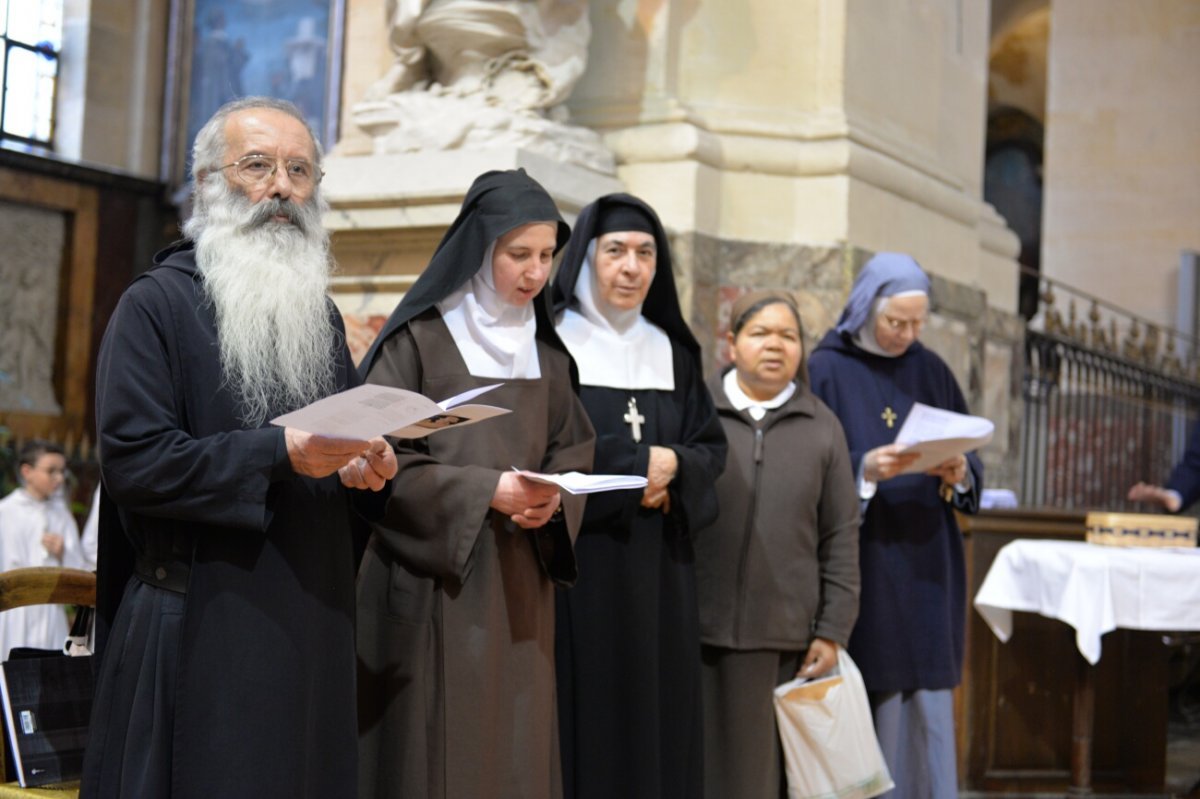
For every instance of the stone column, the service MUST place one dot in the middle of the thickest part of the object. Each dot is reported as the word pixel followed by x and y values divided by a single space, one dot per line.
pixel 785 141
pixel 412 143
pixel 782 142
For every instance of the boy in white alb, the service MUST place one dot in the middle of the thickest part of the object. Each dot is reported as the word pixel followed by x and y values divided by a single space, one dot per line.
pixel 37 529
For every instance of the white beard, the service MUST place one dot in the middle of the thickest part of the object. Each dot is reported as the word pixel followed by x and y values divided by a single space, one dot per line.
pixel 267 282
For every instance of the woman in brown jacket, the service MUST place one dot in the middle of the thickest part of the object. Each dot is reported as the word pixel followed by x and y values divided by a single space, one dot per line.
pixel 777 574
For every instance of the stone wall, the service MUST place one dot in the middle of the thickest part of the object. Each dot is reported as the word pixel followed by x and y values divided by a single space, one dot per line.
pixel 112 84
pixel 1122 149
pixel 982 346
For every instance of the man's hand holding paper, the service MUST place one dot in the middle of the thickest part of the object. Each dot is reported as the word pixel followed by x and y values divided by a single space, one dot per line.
pixel 369 411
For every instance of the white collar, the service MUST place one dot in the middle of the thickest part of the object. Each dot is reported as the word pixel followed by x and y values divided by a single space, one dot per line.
pixel 614 348
pixel 741 401
pixel 495 338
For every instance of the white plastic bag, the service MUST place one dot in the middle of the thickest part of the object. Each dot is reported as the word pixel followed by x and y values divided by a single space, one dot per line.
pixel 829 744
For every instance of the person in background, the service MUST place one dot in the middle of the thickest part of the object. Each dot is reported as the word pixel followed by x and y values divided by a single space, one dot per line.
pixel 37 529
pixel 777 573
pixel 908 640
pixel 225 591
pixel 628 632
pixel 1180 493
pixel 89 537
pixel 456 589
pixel 1183 486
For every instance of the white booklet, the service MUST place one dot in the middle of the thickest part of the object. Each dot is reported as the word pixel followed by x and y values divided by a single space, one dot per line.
pixel 370 410
pixel 580 483
pixel 938 435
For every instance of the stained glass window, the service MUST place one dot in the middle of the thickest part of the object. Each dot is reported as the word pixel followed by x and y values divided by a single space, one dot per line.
pixel 30 40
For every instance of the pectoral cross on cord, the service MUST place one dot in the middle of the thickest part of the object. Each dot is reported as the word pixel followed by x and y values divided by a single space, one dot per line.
pixel 634 420
pixel 888 416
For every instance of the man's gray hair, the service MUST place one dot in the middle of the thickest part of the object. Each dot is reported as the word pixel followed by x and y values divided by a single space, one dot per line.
pixel 209 148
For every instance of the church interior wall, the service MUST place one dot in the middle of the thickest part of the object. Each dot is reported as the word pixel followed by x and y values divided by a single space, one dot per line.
pixel 110 105
pixel 367 57
pixel 764 67
pixel 1122 159
pixel 983 346
pixel 777 130
pixel 60 289
pixel 915 79
pixel 783 142
pixel 780 138
pixel 749 206
pixel 1018 56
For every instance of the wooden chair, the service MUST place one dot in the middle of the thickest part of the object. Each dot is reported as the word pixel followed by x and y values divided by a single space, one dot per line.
pixel 46 585
pixel 43 585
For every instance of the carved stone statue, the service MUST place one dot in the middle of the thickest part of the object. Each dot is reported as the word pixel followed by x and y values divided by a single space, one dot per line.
pixel 29 272
pixel 476 74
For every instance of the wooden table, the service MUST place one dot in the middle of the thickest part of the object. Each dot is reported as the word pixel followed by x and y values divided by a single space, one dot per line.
pixel 1095 590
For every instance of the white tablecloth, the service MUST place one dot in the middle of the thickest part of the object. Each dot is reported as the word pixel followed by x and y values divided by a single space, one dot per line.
pixel 1095 589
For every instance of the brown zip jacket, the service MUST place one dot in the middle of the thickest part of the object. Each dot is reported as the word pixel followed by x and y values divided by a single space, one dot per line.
pixel 780 564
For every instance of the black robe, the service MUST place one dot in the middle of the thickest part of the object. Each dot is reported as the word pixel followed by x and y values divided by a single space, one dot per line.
pixel 628 633
pixel 628 638
pixel 243 685
pixel 912 609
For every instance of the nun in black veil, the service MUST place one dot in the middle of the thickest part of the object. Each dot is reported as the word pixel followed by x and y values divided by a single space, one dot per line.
pixel 456 589
pixel 628 632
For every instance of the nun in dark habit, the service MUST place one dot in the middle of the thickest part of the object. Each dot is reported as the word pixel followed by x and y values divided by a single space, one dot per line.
pixel 908 640
pixel 456 589
pixel 628 632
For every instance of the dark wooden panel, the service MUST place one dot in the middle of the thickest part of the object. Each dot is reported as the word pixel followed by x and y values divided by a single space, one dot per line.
pixel 1016 700
pixel 114 224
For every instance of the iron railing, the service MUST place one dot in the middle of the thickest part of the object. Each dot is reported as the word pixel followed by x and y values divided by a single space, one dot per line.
pixel 1108 401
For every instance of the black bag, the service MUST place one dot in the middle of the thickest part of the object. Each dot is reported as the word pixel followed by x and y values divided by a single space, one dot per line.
pixel 47 703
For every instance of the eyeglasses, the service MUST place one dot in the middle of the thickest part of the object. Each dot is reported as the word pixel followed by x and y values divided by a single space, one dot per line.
pixel 896 325
pixel 257 169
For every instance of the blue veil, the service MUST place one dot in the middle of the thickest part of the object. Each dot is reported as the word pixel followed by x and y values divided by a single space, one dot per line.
pixel 885 275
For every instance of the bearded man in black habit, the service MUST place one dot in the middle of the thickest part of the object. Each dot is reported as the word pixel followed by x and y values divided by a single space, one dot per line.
pixel 226 568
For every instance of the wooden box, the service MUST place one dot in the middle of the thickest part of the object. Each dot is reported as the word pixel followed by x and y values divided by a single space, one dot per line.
pixel 1140 530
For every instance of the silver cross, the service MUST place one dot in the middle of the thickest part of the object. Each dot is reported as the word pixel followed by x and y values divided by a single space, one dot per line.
pixel 634 420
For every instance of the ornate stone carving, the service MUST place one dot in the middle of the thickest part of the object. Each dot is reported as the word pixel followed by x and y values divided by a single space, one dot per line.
pixel 29 272
pixel 478 74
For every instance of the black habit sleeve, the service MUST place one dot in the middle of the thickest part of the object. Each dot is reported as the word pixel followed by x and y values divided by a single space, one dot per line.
pixel 571 447
pixel 616 454
pixel 701 453
pixel 700 449
pixel 152 465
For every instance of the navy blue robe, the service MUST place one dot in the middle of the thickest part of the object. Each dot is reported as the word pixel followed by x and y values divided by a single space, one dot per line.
pixel 909 633
pixel 1185 477
pixel 245 684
